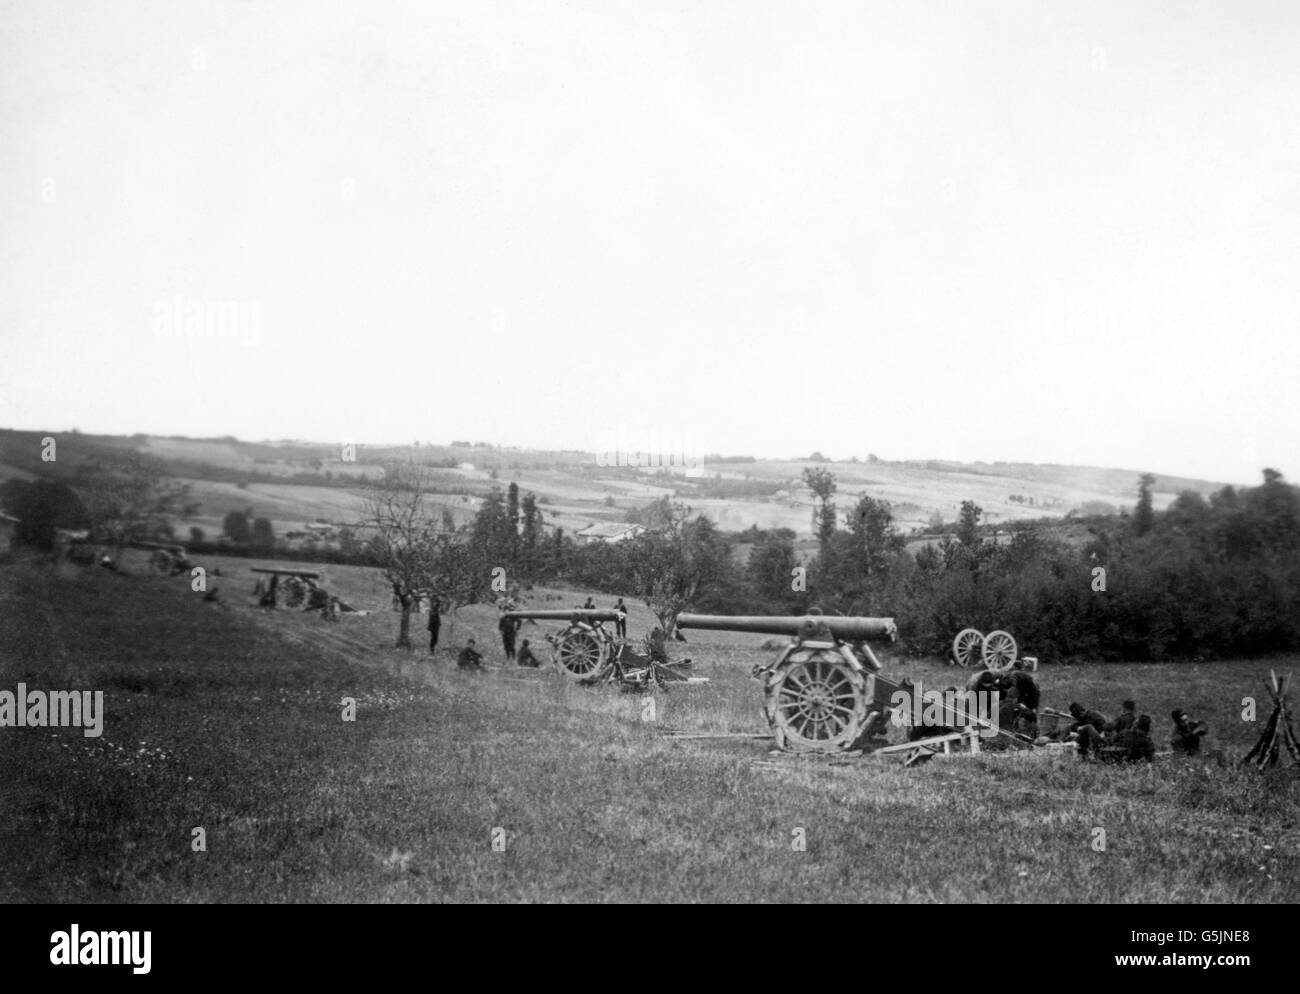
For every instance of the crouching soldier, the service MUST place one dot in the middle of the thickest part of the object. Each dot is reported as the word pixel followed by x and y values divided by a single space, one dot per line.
pixel 525 657
pixel 1187 733
pixel 469 658
pixel 1133 745
pixel 1088 729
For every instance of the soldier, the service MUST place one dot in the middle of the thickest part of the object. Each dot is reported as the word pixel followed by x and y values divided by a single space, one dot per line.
pixel 590 605
pixel 1133 744
pixel 1187 733
pixel 1013 716
pixel 1026 688
pixel 435 623
pixel 1127 716
pixel 984 682
pixel 620 626
pixel 272 590
pixel 1089 716
pixel 508 627
pixel 526 657
pixel 469 658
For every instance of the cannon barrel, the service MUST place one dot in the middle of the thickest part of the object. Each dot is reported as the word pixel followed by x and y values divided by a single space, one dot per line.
pixel 587 615
pixel 844 629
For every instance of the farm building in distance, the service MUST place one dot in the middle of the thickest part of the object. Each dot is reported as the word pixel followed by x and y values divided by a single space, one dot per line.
pixel 610 531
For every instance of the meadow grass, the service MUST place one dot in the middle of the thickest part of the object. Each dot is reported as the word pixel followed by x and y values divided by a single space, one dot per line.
pixel 229 718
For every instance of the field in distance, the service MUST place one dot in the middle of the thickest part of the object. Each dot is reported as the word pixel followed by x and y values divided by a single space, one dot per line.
pixel 292 483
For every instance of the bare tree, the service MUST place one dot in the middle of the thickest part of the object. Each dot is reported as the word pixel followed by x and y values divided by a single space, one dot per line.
pixel 418 559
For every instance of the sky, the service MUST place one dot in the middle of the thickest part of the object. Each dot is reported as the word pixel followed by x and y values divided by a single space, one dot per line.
pixel 1035 232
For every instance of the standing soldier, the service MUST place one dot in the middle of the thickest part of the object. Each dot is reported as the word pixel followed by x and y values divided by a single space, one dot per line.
pixel 620 626
pixel 508 627
pixel 435 623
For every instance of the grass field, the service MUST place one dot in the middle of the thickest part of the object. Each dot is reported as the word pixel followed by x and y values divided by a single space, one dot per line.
pixel 229 718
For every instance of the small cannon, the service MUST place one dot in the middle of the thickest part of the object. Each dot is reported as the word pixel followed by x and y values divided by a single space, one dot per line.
pixel 824 691
pixel 583 649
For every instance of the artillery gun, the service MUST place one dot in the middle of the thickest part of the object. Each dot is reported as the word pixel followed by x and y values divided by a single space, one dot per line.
pixel 824 691
pixel 583 649
pixel 298 584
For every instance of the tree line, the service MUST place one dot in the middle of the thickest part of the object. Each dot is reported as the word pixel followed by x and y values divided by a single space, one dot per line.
pixel 1205 578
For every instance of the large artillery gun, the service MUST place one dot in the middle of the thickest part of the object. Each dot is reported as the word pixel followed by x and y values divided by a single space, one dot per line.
pixel 583 649
pixel 824 692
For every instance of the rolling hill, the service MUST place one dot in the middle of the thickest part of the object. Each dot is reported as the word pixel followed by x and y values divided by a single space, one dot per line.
pixel 293 482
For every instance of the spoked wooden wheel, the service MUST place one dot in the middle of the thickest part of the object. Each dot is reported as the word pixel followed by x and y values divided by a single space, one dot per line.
pixel 999 651
pixel 581 652
pixel 816 700
pixel 968 647
pixel 295 592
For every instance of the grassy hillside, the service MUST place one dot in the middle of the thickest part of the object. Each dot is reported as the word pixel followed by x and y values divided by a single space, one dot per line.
pixel 230 719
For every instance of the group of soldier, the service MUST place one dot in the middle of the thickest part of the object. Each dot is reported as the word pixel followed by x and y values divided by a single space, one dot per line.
pixel 1125 739
pixel 1128 738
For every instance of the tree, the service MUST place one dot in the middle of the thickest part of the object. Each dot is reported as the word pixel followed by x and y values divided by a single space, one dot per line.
pixel 129 497
pixel 42 507
pixel 822 483
pixel 671 566
pixel 493 534
pixel 1143 514
pixel 417 560
pixel 660 513
pixel 770 568
pixel 197 534
pixel 236 527
pixel 262 535
pixel 532 532
pixel 968 524
pixel 874 543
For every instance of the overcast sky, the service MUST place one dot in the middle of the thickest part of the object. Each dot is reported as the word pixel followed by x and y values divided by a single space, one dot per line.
pixel 1050 232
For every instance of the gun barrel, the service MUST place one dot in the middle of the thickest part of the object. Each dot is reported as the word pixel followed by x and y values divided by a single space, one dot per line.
pixel 587 615
pixel 844 629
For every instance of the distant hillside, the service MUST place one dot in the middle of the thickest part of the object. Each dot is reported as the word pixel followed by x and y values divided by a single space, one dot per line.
pixel 293 482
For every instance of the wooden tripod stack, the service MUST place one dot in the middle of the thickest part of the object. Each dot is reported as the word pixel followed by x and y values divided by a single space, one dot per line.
pixel 1277 733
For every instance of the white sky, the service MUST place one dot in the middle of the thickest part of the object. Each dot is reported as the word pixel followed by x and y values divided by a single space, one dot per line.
pixel 1061 232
